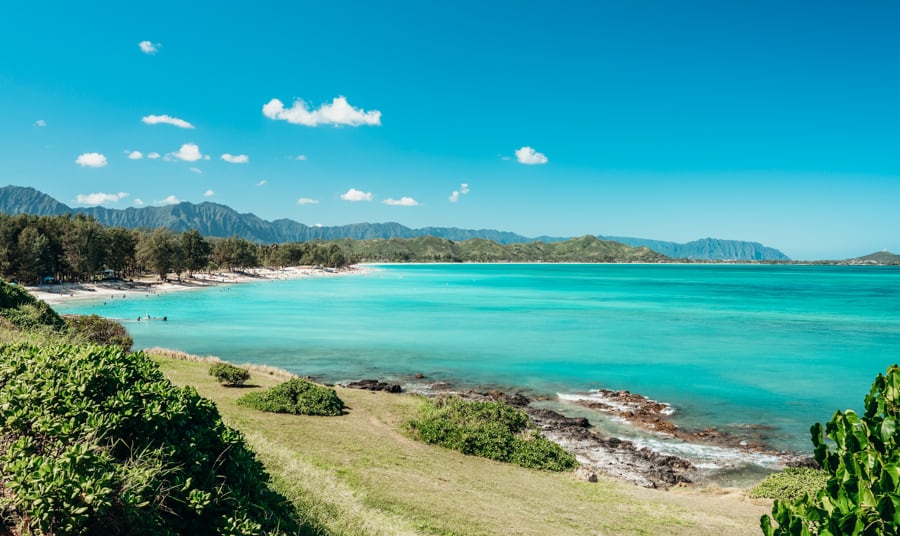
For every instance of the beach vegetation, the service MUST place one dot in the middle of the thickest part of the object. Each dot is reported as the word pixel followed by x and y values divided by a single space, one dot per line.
pixel 160 251
pixel 98 441
pixel 195 251
pixel 235 253
pixel 25 311
pixel 489 429
pixel 98 330
pixel 38 250
pixel 229 375
pixel 296 396
pixel 790 484
pixel 860 455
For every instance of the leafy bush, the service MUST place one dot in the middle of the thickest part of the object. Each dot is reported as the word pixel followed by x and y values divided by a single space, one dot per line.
pixel 296 396
pixel 229 375
pixel 24 310
pixel 97 441
pixel 790 484
pixel 862 492
pixel 488 429
pixel 99 330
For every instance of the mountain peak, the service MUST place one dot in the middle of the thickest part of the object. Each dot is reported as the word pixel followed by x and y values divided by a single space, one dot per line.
pixel 214 219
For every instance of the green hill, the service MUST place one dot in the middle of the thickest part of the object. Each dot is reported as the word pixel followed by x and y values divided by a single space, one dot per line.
pixel 433 249
pixel 878 258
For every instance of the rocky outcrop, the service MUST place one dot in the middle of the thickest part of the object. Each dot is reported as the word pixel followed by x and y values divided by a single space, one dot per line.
pixel 375 385
pixel 615 457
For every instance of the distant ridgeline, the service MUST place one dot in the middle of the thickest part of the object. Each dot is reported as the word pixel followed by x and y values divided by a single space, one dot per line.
pixel 214 220
pixel 881 258
pixel 712 249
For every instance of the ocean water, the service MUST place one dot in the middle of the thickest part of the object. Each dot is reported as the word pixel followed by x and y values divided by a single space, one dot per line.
pixel 730 346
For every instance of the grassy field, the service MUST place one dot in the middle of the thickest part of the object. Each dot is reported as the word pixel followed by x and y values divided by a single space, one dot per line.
pixel 359 474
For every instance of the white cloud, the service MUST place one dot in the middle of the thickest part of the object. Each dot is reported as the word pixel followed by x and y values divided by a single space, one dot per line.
pixel 527 155
pixel 196 170
pixel 153 156
pixel 148 47
pixel 134 155
pixel 355 195
pixel 262 182
pixel 318 225
pixel 166 120
pixel 307 201
pixel 39 123
pixel 138 201
pixel 171 200
pixel 99 198
pixel 189 152
pixel 301 157
pixel 402 202
pixel 209 193
pixel 339 112
pixel 235 158
pixel 94 160
pixel 463 189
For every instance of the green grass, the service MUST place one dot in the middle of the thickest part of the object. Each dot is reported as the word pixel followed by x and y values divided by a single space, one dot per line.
pixel 361 474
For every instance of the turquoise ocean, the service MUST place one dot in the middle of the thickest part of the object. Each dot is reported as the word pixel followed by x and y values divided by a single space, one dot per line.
pixel 729 346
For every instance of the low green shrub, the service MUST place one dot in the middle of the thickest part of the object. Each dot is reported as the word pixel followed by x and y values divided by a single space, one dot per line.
pixel 24 310
pixel 296 396
pixel 790 484
pixel 98 330
pixel 97 441
pixel 488 429
pixel 229 375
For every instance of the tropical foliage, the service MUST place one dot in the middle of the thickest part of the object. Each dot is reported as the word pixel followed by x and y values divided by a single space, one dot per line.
pixel 24 311
pixel 77 248
pixel 488 429
pixel 296 396
pixel 97 441
pixel 790 484
pixel 99 330
pixel 861 459
pixel 229 375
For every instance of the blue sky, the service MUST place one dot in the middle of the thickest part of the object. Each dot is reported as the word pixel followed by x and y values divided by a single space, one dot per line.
pixel 769 121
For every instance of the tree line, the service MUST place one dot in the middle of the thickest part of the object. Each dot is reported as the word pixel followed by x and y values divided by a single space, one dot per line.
pixel 78 248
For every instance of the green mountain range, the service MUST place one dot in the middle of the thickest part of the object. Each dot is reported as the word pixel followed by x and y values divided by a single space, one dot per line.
pixel 213 219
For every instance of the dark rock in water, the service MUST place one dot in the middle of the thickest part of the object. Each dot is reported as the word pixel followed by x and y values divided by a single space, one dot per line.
pixel 547 418
pixel 419 376
pixel 375 385
pixel 517 400
pixel 616 457
pixel 805 461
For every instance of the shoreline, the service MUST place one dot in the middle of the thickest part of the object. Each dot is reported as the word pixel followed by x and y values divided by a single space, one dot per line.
pixel 658 454
pixel 57 293
pixel 619 456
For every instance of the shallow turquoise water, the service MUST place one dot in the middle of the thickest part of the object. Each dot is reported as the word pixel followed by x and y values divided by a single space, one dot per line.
pixel 727 345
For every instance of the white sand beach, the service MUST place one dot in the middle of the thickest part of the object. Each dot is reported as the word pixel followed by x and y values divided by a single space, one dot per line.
pixel 122 289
